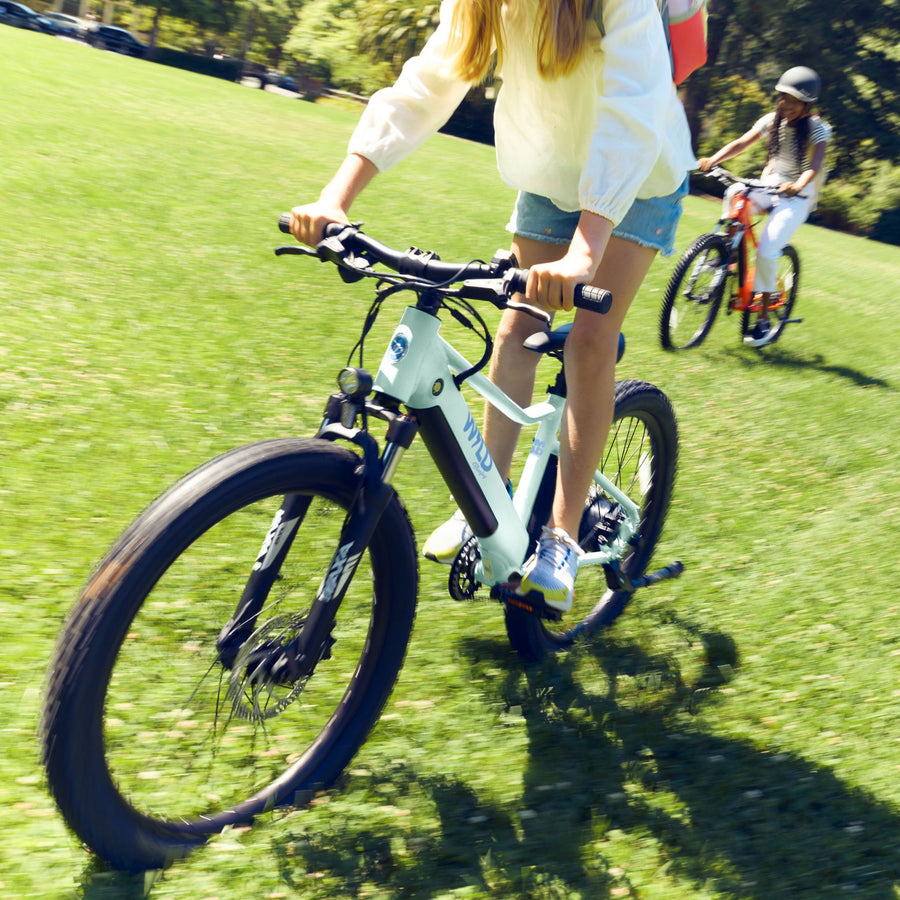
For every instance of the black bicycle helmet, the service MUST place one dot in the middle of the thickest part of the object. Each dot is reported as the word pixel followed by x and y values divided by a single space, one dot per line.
pixel 800 82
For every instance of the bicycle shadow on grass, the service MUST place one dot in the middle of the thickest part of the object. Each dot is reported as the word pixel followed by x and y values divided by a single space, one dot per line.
pixel 722 813
pixel 613 774
pixel 790 359
pixel 101 882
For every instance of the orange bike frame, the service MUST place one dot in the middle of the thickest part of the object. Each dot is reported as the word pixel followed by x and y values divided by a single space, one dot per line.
pixel 739 214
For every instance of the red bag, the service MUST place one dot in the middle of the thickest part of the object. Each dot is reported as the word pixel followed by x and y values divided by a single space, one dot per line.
pixel 686 22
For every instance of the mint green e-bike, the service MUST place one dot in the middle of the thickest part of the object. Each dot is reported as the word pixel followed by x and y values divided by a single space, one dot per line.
pixel 235 647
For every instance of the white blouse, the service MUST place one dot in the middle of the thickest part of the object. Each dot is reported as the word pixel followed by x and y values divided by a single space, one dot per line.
pixel 611 130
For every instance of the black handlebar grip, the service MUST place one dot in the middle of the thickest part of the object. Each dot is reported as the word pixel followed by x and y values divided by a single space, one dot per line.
pixel 332 228
pixel 593 299
pixel 587 297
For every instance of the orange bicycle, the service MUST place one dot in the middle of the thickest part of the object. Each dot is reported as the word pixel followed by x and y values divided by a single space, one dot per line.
pixel 715 266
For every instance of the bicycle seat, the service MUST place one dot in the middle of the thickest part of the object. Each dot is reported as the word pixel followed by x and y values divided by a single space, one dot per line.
pixel 554 341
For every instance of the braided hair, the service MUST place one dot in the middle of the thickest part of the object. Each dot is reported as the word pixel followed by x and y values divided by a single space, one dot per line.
pixel 801 137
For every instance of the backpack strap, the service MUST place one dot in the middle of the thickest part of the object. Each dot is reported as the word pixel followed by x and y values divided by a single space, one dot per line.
pixel 596 14
pixel 664 12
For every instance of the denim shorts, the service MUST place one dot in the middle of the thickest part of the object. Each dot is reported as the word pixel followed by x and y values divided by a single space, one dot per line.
pixel 651 222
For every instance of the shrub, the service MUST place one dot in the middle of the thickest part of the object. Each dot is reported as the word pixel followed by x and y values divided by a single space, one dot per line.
pixel 868 205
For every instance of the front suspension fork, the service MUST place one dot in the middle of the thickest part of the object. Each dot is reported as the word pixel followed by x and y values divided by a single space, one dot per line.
pixel 363 515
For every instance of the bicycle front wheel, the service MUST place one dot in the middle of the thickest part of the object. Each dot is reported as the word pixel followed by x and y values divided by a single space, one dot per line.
pixel 153 743
pixel 782 303
pixel 640 458
pixel 694 293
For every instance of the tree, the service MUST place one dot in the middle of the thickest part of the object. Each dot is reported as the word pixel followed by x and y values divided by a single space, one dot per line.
pixel 392 32
pixel 266 28
pixel 325 42
pixel 202 13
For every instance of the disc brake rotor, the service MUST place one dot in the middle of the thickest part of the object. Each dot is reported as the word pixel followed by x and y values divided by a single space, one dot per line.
pixel 254 694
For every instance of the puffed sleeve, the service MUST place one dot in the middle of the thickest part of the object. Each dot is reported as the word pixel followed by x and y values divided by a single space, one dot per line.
pixel 637 114
pixel 398 119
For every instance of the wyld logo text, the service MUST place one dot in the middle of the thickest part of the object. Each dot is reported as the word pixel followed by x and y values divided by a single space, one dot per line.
pixel 476 441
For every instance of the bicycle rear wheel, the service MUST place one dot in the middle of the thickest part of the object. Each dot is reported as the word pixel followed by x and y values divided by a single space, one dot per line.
pixel 640 458
pixel 694 293
pixel 151 743
pixel 785 298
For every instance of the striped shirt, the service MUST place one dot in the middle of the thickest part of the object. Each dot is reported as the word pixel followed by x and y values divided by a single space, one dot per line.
pixel 785 163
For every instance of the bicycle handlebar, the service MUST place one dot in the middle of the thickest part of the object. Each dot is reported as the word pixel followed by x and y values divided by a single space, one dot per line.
pixel 723 176
pixel 495 282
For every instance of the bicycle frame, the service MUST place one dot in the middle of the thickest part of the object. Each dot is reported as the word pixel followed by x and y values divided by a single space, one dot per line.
pixel 738 224
pixel 418 371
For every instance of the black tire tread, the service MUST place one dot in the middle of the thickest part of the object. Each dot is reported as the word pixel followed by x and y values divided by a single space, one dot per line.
pixel 71 727
pixel 682 267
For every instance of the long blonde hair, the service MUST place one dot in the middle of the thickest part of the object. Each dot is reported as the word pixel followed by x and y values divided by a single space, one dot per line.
pixel 561 30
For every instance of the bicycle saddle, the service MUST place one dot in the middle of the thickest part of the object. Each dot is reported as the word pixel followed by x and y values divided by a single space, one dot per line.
pixel 554 341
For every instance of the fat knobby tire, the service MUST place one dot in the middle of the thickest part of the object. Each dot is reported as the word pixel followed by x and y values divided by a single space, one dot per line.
pixel 73 723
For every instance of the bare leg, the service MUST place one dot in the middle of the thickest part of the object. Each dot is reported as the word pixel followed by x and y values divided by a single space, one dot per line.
pixel 512 366
pixel 590 379
pixel 590 373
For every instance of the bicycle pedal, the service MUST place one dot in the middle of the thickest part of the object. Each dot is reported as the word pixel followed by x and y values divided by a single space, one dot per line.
pixel 532 602
pixel 673 570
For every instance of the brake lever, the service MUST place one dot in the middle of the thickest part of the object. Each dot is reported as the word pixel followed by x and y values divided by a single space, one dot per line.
pixel 296 250
pixel 351 266
pixel 532 311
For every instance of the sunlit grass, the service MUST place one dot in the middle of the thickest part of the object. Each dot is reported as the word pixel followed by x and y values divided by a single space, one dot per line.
pixel 735 734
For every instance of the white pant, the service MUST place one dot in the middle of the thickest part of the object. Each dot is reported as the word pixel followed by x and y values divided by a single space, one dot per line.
pixel 787 214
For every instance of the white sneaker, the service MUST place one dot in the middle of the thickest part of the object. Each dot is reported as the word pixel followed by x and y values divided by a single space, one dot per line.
pixel 551 571
pixel 446 540
pixel 761 334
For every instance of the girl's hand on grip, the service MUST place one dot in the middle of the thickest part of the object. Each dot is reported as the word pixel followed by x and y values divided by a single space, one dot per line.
pixel 308 221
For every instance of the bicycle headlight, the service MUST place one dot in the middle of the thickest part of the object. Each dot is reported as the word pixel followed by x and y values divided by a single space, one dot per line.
pixel 355 383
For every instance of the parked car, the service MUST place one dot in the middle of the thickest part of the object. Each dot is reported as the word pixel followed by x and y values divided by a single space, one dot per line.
pixel 22 16
pixel 279 79
pixel 67 25
pixel 108 37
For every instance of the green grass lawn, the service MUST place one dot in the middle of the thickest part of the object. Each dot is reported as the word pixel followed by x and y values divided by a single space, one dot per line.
pixel 735 735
